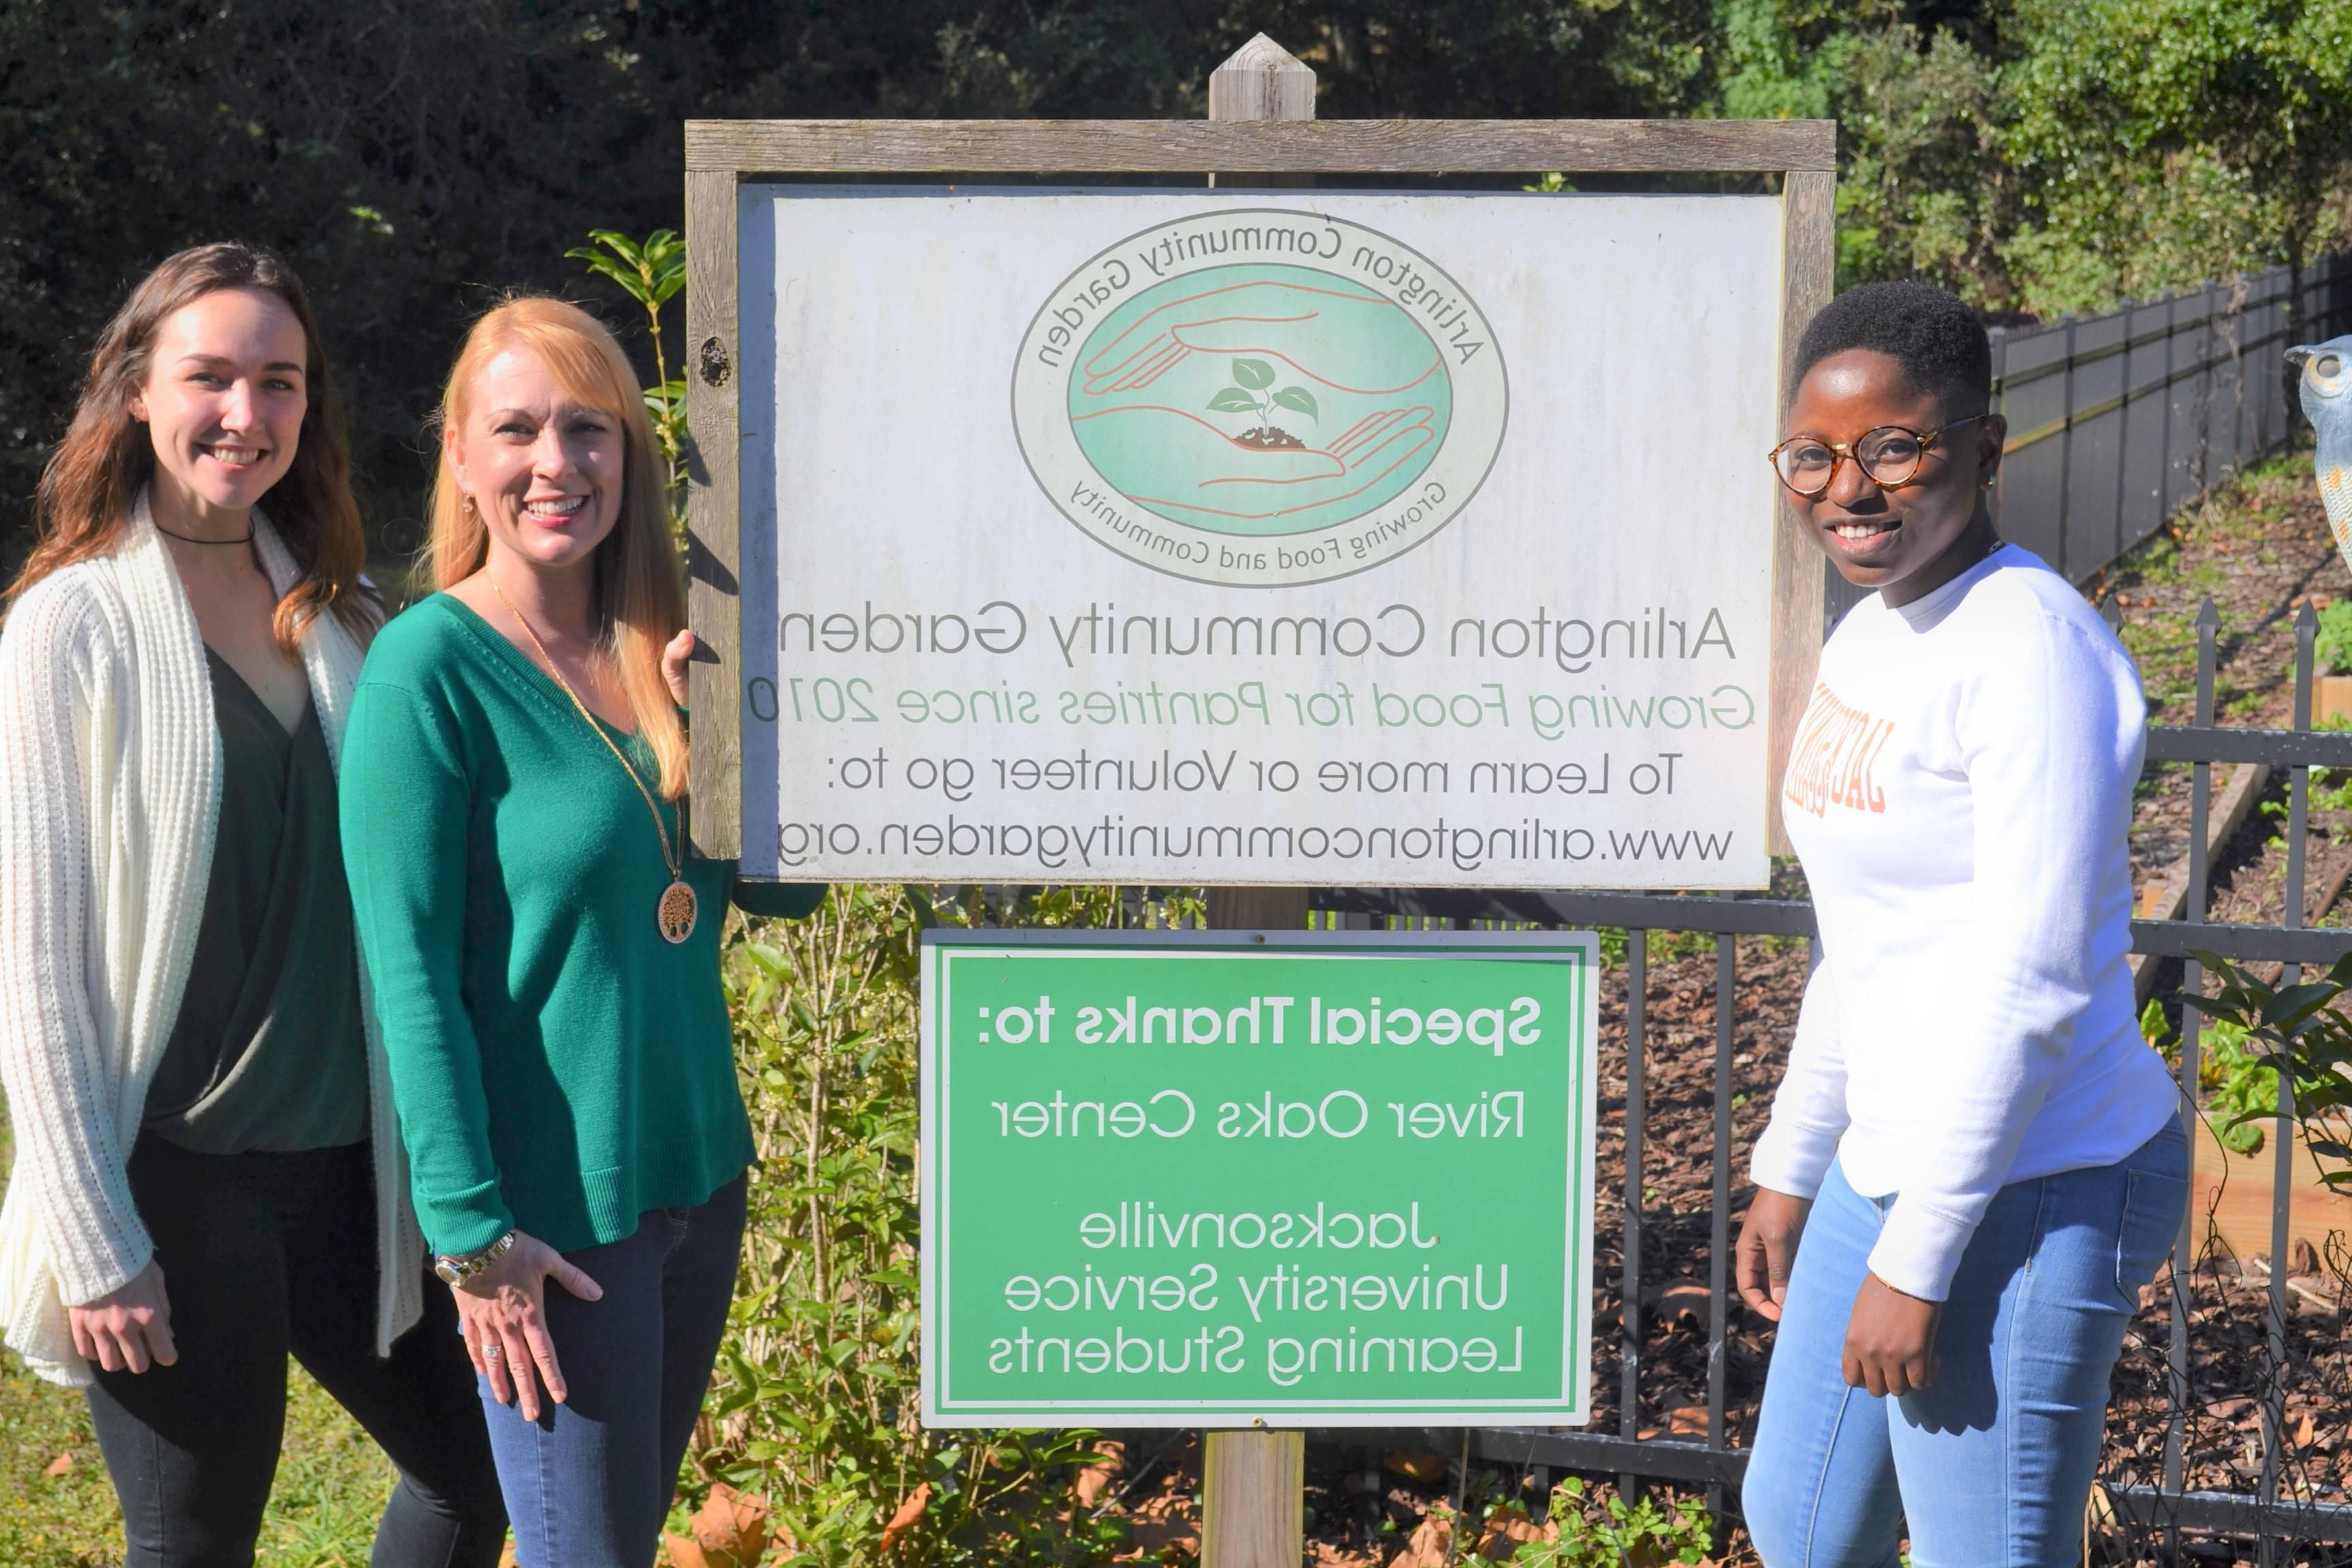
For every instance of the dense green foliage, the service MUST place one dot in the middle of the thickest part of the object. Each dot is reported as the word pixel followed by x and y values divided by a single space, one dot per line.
pixel 817 1403
pixel 1603 1531
pixel 2293 1028
pixel 2049 156
pixel 416 158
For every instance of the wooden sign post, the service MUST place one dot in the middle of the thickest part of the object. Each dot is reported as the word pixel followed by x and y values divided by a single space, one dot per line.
pixel 1262 81
pixel 1254 1483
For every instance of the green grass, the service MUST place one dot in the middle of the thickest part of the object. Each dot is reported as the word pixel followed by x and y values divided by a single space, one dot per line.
pixel 332 1481
pixel 61 1521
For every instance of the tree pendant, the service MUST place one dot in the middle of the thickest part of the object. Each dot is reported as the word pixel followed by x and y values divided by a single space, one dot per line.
pixel 677 912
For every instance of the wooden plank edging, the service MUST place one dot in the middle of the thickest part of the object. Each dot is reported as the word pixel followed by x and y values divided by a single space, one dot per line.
pixel 2168 900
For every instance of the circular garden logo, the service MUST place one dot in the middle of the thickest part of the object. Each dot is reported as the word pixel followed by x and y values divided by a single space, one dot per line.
pixel 1259 397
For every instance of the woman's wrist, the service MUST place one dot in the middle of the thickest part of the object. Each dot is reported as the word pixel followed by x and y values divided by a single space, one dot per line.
pixel 460 1269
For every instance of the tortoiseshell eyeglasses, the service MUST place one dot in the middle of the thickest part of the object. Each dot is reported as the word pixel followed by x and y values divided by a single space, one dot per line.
pixel 1888 457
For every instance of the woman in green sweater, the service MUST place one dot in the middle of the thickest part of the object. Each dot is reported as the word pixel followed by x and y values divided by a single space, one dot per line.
pixel 544 947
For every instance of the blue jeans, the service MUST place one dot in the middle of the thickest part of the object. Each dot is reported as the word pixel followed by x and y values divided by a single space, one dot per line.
pixel 589 1483
pixel 1991 1465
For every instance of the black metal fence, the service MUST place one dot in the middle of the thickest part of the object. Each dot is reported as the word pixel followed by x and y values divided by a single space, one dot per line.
pixel 2115 420
pixel 2287 1506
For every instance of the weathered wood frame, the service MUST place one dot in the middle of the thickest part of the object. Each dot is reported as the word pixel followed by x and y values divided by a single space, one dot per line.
pixel 721 155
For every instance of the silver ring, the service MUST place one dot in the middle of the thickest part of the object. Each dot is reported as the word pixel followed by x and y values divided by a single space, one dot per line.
pixel 492 1353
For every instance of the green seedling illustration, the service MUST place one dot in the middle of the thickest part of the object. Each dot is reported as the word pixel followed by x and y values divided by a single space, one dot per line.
pixel 1250 394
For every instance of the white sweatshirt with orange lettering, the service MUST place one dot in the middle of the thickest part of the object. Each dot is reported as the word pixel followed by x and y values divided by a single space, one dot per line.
pixel 1959 792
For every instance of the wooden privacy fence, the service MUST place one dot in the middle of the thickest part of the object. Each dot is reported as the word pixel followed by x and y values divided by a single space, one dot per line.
pixel 2147 1492
pixel 2115 420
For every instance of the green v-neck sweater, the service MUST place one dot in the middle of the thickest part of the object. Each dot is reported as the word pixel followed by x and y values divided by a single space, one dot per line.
pixel 557 1065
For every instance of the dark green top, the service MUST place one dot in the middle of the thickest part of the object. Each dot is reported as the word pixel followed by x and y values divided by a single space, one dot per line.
pixel 557 1065
pixel 267 1052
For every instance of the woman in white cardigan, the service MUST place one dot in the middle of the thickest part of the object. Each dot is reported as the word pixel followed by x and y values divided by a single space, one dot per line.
pixel 207 1173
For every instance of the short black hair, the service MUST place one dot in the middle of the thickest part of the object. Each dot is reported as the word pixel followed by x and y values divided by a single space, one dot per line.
pixel 1935 337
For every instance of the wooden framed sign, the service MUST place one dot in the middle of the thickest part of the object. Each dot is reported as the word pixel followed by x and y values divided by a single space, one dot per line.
pixel 1106 533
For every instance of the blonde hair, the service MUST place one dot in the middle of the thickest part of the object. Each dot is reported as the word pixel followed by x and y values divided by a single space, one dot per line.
pixel 639 598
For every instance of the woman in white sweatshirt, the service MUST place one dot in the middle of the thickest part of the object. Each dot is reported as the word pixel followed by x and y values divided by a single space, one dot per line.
pixel 207 1173
pixel 1974 1161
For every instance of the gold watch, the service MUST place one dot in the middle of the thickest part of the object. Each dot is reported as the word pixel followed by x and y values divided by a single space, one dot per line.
pixel 457 1271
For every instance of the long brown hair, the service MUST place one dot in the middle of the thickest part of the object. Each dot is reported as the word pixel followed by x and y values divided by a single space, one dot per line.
pixel 638 598
pixel 94 476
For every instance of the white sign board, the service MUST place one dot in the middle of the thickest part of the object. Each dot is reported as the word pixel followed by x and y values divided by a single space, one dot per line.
pixel 1335 538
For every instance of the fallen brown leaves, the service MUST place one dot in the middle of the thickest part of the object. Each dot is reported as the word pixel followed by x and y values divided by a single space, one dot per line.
pixel 730 1531
pixel 1682 1421
pixel 1508 1529
pixel 1431 1544
pixel 1163 1528
pixel 910 1509
pixel 1095 1478
pixel 1684 1300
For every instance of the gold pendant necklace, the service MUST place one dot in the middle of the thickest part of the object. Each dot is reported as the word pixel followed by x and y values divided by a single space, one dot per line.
pixel 675 915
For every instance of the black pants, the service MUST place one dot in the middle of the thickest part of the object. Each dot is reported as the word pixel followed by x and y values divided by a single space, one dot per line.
pixel 264 1254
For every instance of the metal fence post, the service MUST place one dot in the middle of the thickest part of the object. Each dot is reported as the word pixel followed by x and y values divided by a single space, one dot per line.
pixel 1998 337
pixel 1718 1249
pixel 2123 433
pixel 2066 453
pixel 2237 375
pixel 1629 1314
pixel 2164 462
pixel 2269 382
pixel 2273 1404
pixel 2205 390
pixel 2192 980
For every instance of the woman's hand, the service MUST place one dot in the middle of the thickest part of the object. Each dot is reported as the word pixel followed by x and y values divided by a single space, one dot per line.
pixel 501 1312
pixel 128 1327
pixel 674 659
pixel 1768 1250
pixel 1890 1339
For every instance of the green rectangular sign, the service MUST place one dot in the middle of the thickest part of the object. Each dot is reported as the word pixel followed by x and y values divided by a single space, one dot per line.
pixel 1179 1179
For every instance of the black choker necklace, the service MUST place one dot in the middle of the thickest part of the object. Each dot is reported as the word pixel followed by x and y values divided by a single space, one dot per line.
pixel 244 538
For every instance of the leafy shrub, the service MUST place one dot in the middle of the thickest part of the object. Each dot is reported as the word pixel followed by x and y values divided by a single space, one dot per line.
pixel 2300 1030
pixel 650 271
pixel 2242 1091
pixel 2238 1083
pixel 818 1397
pixel 1606 1532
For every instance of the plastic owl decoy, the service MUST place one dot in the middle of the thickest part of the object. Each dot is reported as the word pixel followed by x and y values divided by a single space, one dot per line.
pixel 2326 382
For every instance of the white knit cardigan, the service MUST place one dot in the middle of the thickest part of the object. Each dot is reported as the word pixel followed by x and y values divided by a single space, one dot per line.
pixel 110 797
